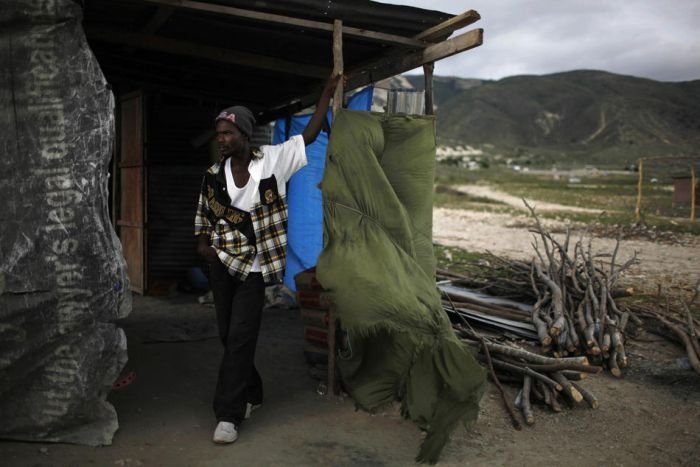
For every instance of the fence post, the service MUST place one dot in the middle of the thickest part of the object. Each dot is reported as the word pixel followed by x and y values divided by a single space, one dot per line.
pixel 693 192
pixel 638 209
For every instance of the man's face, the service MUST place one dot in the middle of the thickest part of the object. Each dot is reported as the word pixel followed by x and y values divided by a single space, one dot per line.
pixel 230 139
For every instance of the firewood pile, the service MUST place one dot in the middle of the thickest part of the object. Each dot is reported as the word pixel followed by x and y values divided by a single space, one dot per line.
pixel 506 342
pixel 576 325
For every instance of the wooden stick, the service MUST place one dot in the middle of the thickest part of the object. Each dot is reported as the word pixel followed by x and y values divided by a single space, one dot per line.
pixel 542 334
pixel 568 389
pixel 546 392
pixel 692 333
pixel 525 401
pixel 554 401
pixel 612 364
pixel 539 395
pixel 506 402
pixel 588 396
pixel 574 375
pixel 593 369
pixel 689 348
pixel 605 344
pixel 533 357
pixel 555 290
pixel 525 371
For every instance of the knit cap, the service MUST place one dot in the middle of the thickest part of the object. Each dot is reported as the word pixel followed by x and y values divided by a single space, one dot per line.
pixel 240 116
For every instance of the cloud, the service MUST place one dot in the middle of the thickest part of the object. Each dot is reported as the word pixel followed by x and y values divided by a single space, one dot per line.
pixel 647 38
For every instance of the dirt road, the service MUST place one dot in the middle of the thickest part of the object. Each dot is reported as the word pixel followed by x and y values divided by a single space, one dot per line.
pixel 483 191
pixel 509 235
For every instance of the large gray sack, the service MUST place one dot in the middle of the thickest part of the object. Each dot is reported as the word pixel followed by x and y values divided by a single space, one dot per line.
pixel 62 273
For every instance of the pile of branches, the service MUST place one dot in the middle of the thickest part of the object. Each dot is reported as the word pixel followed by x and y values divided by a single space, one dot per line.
pixel 548 380
pixel 577 324
pixel 554 381
pixel 574 294
pixel 575 312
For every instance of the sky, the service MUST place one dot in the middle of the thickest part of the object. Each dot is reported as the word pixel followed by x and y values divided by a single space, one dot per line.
pixel 656 39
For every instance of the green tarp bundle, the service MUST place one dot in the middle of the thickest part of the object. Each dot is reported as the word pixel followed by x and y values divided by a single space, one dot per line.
pixel 379 265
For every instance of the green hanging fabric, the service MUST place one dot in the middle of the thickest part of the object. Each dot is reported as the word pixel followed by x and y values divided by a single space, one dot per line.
pixel 379 266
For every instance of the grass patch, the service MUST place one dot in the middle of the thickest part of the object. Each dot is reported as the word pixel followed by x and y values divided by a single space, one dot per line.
pixel 459 260
pixel 446 197
pixel 616 194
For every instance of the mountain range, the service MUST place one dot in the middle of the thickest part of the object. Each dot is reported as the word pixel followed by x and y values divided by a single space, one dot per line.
pixel 593 117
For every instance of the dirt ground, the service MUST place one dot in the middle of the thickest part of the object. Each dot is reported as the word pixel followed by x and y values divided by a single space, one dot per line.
pixel 669 263
pixel 650 417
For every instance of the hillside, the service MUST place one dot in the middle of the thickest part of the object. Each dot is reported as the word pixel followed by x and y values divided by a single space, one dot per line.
pixel 593 116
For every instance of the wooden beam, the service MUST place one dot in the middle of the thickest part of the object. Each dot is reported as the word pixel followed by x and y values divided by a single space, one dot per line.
pixel 392 65
pixel 178 47
pixel 338 65
pixel 291 21
pixel 449 26
pixel 384 67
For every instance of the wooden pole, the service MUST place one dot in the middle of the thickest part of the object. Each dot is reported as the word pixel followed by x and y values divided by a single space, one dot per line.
pixel 333 389
pixel 337 104
pixel 693 192
pixel 338 64
pixel 428 70
pixel 638 209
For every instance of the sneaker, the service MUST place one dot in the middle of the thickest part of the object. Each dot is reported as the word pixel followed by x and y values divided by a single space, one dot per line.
pixel 225 433
pixel 249 409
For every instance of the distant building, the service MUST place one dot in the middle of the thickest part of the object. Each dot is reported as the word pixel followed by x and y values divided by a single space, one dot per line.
pixel 682 190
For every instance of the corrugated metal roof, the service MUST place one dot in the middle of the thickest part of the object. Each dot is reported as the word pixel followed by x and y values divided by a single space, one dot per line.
pixel 177 48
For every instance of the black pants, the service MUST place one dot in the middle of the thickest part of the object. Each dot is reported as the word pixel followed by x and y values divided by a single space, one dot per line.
pixel 238 311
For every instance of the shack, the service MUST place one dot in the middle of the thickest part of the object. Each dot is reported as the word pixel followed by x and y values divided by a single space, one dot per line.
pixel 174 64
pixel 102 101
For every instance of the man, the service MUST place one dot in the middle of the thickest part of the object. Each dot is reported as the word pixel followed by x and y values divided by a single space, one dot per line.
pixel 241 228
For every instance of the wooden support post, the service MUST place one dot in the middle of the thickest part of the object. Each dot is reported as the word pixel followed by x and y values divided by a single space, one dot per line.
pixel 332 381
pixel 338 64
pixel 693 192
pixel 428 70
pixel 638 209
pixel 337 104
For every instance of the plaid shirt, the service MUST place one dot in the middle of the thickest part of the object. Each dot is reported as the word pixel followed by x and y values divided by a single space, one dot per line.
pixel 238 236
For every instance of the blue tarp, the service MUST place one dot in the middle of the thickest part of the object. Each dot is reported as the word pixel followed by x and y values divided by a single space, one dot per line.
pixel 305 229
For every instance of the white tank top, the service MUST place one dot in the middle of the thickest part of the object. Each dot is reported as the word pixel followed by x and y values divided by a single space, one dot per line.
pixel 243 199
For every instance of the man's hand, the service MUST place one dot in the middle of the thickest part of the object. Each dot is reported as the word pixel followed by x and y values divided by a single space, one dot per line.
pixel 331 84
pixel 314 126
pixel 209 254
pixel 206 251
